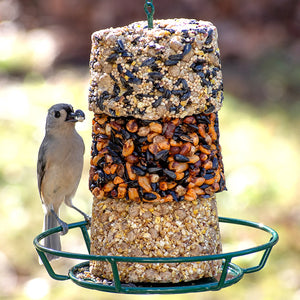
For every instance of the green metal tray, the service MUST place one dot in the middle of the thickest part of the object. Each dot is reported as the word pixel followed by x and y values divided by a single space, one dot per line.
pixel 230 274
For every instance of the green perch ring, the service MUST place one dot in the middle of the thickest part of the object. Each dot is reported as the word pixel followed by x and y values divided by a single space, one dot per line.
pixel 230 274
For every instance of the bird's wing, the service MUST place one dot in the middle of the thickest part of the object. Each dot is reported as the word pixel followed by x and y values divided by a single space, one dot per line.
pixel 41 165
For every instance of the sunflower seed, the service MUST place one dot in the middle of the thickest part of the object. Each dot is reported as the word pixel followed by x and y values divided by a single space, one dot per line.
pixel 170 62
pixel 148 62
pixel 157 102
pixel 155 75
pixel 162 155
pixel 138 171
pixel 170 173
pixel 187 48
pixel 112 58
pixel 181 158
pixel 149 196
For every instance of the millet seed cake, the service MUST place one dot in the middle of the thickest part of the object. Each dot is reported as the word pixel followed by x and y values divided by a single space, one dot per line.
pixel 172 70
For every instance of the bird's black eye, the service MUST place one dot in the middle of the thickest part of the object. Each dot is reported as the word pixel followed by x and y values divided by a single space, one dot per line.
pixel 56 114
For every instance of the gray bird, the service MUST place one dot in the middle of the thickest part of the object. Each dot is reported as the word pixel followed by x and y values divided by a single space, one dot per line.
pixel 59 168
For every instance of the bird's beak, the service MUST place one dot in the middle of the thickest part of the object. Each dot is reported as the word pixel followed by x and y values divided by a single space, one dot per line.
pixel 76 116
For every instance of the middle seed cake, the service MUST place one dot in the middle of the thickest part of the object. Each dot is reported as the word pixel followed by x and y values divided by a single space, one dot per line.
pixel 156 160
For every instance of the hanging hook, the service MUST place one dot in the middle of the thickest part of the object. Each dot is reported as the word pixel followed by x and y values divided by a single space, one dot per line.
pixel 149 10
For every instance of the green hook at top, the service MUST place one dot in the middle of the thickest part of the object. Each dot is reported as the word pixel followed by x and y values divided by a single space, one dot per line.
pixel 149 10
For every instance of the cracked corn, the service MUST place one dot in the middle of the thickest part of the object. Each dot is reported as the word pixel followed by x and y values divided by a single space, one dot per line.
pixel 170 229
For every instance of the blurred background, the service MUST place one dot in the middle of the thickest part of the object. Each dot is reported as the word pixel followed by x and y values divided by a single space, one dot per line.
pixel 44 56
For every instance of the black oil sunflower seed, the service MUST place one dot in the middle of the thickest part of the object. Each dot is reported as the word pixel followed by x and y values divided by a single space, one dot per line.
pixel 104 96
pixel 112 58
pixel 202 119
pixel 119 68
pixel 187 48
pixel 157 102
pixel 185 96
pixel 154 170
pixel 170 173
pixel 114 146
pixel 138 171
pixel 167 94
pixel 179 93
pixel 144 168
pixel 149 196
pixel 126 135
pixel 170 62
pixel 176 57
pixel 181 158
pixel 209 175
pixel 112 112
pixel 143 139
pixel 215 163
pixel 103 136
pixel 209 37
pixel 149 156
pixel 148 62
pixel 162 155
pixel 132 183
pixel 124 82
pixel 197 65
pixel 185 85
pixel 156 75
pixel 101 176
pixel 116 89
pixel 154 186
pixel 207 50
pixel 135 80
pixel 209 109
pixel 222 184
pixel 120 45
pixel 174 195
pixel 127 54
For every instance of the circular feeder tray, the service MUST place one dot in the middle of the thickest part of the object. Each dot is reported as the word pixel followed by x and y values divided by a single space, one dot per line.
pixel 230 273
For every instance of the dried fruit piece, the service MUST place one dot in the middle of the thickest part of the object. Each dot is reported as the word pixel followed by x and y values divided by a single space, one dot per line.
pixel 128 148
pixel 144 182
pixel 132 126
pixel 133 194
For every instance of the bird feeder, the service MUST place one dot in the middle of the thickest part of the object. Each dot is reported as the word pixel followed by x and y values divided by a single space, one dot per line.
pixel 156 89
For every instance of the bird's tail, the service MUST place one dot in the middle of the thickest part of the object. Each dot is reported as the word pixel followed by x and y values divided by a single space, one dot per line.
pixel 52 241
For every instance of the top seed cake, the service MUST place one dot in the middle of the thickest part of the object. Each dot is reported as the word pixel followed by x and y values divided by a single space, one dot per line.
pixel 172 70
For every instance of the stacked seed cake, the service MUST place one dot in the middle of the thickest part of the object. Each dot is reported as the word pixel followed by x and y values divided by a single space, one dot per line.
pixel 156 160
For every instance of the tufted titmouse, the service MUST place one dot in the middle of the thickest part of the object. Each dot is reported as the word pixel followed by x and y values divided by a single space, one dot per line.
pixel 59 167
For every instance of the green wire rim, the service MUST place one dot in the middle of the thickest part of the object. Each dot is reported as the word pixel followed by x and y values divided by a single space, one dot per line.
pixel 230 274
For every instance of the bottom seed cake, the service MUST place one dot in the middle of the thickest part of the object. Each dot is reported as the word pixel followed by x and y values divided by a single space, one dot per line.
pixel 172 229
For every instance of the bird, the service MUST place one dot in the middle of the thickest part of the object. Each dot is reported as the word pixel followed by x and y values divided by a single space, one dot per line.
pixel 59 168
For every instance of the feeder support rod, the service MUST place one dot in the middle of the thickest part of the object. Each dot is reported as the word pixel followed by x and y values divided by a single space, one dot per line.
pixel 149 10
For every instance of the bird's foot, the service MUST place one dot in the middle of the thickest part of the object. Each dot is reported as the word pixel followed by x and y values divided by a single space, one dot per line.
pixel 65 227
pixel 88 219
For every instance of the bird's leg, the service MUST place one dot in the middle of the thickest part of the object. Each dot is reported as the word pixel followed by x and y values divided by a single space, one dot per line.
pixel 64 225
pixel 86 217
